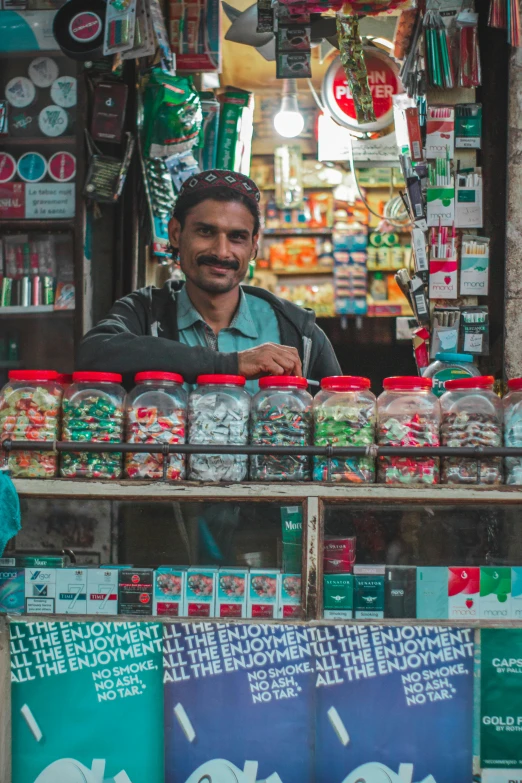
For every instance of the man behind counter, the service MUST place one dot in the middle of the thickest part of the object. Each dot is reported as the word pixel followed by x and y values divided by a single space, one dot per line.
pixel 210 324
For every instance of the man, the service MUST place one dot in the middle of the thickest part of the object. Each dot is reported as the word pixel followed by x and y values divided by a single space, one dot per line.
pixel 210 324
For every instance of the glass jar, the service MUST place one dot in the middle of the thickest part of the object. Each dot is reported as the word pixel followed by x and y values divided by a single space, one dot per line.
pixel 471 416
pixel 447 367
pixel 408 414
pixel 30 409
pixel 93 408
pixel 156 412
pixel 512 404
pixel 345 414
pixel 281 416
pixel 219 413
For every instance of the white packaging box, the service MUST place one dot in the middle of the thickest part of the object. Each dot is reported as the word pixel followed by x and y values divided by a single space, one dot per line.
pixel 200 591
pixel 262 593
pixel 169 591
pixel 102 591
pixel 40 590
pixel 71 590
pixel 289 605
pixel 231 592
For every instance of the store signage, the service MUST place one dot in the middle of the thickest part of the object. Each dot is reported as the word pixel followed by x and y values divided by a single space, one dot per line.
pixel 50 201
pixel 384 81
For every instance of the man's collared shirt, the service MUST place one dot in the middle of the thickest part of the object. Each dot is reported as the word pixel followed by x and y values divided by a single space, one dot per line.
pixel 253 324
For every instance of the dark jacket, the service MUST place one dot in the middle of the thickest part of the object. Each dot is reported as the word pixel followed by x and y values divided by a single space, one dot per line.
pixel 141 333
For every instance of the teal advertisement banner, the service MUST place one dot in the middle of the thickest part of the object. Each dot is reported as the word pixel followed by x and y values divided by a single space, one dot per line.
pixel 87 702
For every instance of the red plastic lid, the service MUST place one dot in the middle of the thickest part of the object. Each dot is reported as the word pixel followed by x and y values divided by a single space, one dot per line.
pixel 283 380
pixel 158 376
pixel 33 375
pixel 235 380
pixel 64 377
pixel 407 383
pixel 96 377
pixel 345 383
pixel 515 384
pixel 478 382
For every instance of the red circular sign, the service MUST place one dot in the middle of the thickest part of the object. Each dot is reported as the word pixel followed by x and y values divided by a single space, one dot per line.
pixel 62 166
pixel 7 167
pixel 144 598
pixel 135 579
pixel 85 27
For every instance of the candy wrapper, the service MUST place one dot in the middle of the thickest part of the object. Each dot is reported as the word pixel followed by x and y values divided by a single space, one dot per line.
pixel 465 429
pixel 149 425
pixel 172 112
pixel 345 425
pixel 91 416
pixel 408 430
pixel 352 58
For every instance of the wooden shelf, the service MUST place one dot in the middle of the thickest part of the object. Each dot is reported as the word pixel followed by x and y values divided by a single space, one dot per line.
pixel 32 310
pixel 296 232
pixel 35 141
pixel 31 53
pixel 45 225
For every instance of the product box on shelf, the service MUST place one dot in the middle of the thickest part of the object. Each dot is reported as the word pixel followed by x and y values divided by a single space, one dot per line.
pixel 432 593
pixel 400 591
pixel 169 591
pixel 71 590
pixel 495 593
pixel 200 591
pixel 262 593
pixel 12 589
pixel 135 591
pixel 289 604
pixel 231 592
pixel 464 592
pixel 43 561
pixel 368 592
pixel 338 596
pixel 292 534
pixel 40 590
pixel 516 593
pixel 102 590
pixel 339 554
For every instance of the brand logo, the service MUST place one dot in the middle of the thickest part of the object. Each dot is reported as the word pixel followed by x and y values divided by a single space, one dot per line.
pixel 397 593
pixel 54 118
pixel 144 598
pixel 337 597
pixel 7 575
pixel 42 575
pixel 85 27
pixel 369 598
pixel 135 579
pixel 23 121
pixel 40 590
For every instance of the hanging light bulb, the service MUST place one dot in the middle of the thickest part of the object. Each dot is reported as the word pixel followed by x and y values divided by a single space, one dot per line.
pixel 289 122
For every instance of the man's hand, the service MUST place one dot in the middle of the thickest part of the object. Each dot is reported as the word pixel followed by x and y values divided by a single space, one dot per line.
pixel 269 359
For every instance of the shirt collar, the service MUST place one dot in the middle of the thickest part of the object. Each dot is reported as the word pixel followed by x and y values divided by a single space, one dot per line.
pixel 242 321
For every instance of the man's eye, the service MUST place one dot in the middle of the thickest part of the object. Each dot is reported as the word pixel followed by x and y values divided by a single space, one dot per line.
pixel 205 231
pixel 237 237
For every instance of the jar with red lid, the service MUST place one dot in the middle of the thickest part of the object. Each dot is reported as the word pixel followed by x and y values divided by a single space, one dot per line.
pixel 281 416
pixel 408 415
pixel 93 412
pixel 156 412
pixel 471 416
pixel 345 414
pixel 219 413
pixel 30 409
pixel 512 404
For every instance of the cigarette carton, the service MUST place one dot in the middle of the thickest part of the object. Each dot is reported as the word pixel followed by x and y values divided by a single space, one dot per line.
pixel 102 591
pixel 338 596
pixel 463 593
pixel 289 604
pixel 231 592
pixel 432 593
pixel 40 590
pixel 43 561
pixel 169 591
pixel 369 592
pixel 516 593
pixel 135 591
pixel 292 534
pixel 71 591
pixel 262 593
pixel 339 554
pixel 440 131
pixel 495 593
pixel 400 591
pixel 200 592
pixel 12 589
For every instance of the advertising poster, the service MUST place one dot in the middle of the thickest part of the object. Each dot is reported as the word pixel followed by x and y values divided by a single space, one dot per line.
pixel 330 704
pixel 501 705
pixel 87 702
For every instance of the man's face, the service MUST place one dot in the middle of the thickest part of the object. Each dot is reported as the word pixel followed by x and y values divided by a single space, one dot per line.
pixel 215 244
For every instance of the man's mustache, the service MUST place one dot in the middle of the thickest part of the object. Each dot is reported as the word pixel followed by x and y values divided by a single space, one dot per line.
pixel 215 261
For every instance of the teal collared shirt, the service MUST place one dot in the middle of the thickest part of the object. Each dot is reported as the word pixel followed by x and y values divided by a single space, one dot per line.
pixel 254 323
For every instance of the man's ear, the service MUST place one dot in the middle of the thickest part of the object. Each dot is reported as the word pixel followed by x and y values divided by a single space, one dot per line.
pixel 255 246
pixel 174 232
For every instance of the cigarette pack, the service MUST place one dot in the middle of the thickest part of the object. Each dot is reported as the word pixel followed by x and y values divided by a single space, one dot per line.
pixel 516 593
pixel 289 605
pixel 474 266
pixel 43 561
pixel 414 133
pixel 440 131
pixel 338 596
pixel 169 591
pixel 40 590
pixel 369 592
pixel 440 205
pixel 443 278
pixel 468 125
pixel 200 591
pixel 463 593
pixel 102 591
pixel 71 590
pixel 12 589
pixel 339 554
pixel 495 593
pixel 231 592
pixel 432 593
pixel 262 593
pixel 135 591
pixel 468 199
pixel 292 534
pixel 400 591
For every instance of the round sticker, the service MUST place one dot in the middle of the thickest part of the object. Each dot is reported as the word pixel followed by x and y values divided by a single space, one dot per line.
pixel 62 167
pixel 85 27
pixel 32 167
pixel 53 121
pixel 7 167
pixel 144 598
pixel 20 92
pixel 63 91
pixel 43 71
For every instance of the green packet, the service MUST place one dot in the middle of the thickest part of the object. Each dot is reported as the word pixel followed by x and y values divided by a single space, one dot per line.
pixel 172 116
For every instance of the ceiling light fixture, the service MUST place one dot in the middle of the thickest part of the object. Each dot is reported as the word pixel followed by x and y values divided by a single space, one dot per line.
pixel 289 122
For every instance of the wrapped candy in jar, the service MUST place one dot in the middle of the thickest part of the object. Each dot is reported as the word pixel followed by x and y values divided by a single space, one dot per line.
pixel 512 404
pixel 471 416
pixel 408 414
pixel 345 415
pixel 219 413
pixel 281 416
pixel 93 407
pixel 30 409
pixel 156 412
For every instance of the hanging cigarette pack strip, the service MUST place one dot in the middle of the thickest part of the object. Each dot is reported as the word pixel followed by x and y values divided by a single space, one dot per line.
pixel 200 591
pixel 468 198
pixel 231 593
pixel 468 126
pixel 169 591
pixel 440 131
pixel 102 591
pixel 262 593
pixel 289 596
pixel 474 266
pixel 71 590
pixel 40 590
